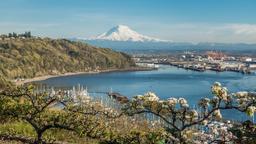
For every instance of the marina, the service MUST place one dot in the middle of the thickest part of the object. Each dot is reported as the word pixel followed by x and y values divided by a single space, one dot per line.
pixel 210 60
pixel 167 81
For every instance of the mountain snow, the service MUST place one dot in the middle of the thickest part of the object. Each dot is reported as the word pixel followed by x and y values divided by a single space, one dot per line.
pixel 124 33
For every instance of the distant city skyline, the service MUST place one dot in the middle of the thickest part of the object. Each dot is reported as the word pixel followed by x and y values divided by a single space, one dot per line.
pixel 226 21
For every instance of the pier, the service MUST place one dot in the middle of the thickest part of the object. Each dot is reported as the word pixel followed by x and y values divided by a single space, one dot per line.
pixel 201 61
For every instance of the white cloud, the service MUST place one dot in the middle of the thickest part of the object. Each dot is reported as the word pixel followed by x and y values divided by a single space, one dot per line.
pixel 245 29
pixel 205 32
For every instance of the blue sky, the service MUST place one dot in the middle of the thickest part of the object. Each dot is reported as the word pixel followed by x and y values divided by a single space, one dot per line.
pixel 178 20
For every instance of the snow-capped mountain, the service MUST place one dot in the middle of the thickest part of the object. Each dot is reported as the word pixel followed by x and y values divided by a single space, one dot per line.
pixel 122 38
pixel 124 33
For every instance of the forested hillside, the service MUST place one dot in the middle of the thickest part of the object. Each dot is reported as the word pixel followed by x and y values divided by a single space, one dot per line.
pixel 31 57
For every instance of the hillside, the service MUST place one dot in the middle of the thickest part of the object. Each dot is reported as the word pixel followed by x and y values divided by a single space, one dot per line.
pixel 32 57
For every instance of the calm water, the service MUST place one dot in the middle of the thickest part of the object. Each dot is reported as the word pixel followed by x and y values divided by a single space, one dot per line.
pixel 166 82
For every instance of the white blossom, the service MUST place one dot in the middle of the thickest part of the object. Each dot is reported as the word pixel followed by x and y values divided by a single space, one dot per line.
pixel 182 101
pixel 172 101
pixel 217 114
pixel 205 122
pixel 139 97
pixel 251 110
pixel 241 94
pixel 150 96
pixel 225 88
pixel 217 84
pixel 185 105
pixel 194 113
pixel 224 94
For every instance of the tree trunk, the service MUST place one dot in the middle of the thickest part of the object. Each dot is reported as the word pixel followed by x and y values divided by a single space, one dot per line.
pixel 39 139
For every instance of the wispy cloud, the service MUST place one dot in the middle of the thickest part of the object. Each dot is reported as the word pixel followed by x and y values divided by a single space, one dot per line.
pixel 40 29
pixel 19 24
pixel 243 29
pixel 205 32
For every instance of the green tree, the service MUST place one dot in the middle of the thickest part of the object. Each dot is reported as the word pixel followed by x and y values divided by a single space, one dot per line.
pixel 14 34
pixel 42 113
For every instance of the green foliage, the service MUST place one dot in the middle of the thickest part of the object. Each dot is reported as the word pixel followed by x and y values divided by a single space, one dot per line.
pixel 17 128
pixel 15 35
pixel 20 128
pixel 30 57
pixel 38 117
pixel 41 113
pixel 4 83
pixel 136 136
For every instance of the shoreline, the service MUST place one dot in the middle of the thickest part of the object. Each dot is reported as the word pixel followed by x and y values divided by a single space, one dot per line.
pixel 45 77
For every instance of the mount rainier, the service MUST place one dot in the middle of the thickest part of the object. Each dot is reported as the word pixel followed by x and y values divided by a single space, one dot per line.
pixel 124 33
pixel 123 38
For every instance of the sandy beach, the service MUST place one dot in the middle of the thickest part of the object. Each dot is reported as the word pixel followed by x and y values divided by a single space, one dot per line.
pixel 40 78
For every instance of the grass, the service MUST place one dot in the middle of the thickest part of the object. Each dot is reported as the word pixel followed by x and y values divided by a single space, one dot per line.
pixel 18 128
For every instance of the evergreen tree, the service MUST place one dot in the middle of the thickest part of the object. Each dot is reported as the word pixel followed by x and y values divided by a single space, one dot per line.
pixel 14 34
